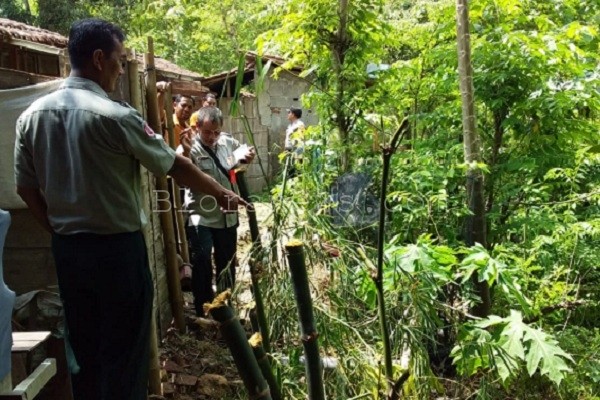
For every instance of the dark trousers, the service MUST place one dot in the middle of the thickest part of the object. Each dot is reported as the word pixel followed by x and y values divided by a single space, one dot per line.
pixel 201 242
pixel 106 289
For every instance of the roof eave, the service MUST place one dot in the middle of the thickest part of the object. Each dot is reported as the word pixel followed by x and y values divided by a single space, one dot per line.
pixel 43 48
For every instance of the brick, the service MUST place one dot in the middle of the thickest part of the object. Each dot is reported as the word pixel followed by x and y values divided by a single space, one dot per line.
pixel 186 380
pixel 172 366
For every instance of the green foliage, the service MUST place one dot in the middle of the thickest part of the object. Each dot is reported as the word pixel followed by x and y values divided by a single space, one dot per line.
pixel 334 55
pixel 15 10
pixel 536 80
pixel 537 99
pixel 206 37
pixel 54 15
pixel 506 343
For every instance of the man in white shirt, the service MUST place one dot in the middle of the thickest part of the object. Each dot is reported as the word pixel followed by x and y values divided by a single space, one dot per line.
pixel 293 140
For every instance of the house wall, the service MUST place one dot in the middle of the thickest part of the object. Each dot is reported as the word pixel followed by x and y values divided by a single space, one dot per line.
pixel 18 58
pixel 259 136
pixel 278 95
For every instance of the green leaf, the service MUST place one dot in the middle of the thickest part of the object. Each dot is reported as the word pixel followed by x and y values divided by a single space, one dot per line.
pixel 513 333
pixel 544 350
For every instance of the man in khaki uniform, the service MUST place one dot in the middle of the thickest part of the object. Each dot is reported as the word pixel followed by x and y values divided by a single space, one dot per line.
pixel 77 167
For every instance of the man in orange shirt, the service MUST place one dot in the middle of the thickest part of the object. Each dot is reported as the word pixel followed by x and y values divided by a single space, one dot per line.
pixel 183 105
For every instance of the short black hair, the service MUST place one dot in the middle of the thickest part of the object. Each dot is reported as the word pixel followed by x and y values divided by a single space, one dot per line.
pixel 89 35
pixel 177 98
pixel 296 111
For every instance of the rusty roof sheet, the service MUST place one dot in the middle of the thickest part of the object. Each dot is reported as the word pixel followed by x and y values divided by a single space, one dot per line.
pixel 172 69
pixel 18 30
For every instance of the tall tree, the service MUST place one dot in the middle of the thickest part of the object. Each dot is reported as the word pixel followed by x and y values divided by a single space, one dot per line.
pixel 475 227
pixel 336 44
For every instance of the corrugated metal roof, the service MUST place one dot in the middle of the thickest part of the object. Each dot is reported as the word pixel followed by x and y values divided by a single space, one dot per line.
pixel 169 69
pixel 18 30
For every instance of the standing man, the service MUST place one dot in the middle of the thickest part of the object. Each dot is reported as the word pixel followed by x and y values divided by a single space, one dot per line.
pixel 77 167
pixel 293 138
pixel 182 106
pixel 208 229
pixel 210 100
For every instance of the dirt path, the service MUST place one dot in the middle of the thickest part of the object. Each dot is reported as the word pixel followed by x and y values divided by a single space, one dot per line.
pixel 197 365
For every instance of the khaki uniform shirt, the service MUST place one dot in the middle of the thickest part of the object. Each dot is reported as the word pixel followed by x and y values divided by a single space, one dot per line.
pixel 84 150
pixel 203 209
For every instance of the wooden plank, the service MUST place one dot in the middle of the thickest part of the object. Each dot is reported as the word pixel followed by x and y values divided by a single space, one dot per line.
pixel 191 88
pixel 10 78
pixel 35 382
pixel 27 341
pixel 38 335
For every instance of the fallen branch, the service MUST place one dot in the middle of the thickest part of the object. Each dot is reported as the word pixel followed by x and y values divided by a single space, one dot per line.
pixel 565 305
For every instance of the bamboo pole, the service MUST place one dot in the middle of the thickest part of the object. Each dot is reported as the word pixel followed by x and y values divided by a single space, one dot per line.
pixel 135 90
pixel 135 96
pixel 234 335
pixel 175 295
pixel 177 209
pixel 314 368
pixel 265 365
pixel 256 251
pixel 387 152
pixel 154 384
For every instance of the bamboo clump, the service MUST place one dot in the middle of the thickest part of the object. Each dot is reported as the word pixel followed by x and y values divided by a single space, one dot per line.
pixel 234 335
pixel 314 367
pixel 166 219
pixel 387 152
pixel 135 96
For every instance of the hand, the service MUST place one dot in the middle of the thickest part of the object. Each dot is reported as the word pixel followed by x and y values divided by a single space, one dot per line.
pixel 185 138
pixel 229 201
pixel 251 154
pixel 162 86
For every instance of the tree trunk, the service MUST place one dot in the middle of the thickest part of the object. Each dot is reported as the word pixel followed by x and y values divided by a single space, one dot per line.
pixel 338 48
pixel 475 227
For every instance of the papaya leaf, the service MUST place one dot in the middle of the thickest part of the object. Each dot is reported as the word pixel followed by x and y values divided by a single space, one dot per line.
pixel 544 350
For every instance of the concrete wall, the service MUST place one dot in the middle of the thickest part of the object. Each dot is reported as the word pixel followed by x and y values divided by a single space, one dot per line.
pixel 267 117
pixel 260 137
